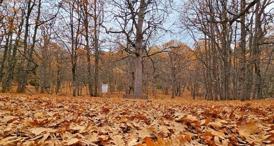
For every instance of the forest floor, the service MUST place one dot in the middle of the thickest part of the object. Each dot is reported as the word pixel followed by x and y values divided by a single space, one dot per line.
pixel 59 120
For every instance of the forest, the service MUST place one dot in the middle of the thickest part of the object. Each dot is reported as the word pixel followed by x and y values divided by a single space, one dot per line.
pixel 136 72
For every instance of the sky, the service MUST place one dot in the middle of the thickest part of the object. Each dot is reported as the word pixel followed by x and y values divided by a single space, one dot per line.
pixel 174 25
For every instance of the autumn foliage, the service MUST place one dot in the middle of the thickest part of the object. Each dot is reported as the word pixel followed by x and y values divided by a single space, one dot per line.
pixel 57 120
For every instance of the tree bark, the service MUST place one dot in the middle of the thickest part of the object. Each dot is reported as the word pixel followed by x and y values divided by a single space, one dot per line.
pixel 96 48
pixel 138 74
pixel 87 47
pixel 138 78
pixel 242 80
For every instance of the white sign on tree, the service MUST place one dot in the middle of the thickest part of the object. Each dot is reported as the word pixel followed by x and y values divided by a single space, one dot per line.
pixel 104 88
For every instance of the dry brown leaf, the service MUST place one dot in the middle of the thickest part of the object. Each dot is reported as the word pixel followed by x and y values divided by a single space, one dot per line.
pixel 45 137
pixel 249 129
pixel 185 138
pixel 7 119
pixel 118 140
pixel 40 130
pixel 217 124
pixel 145 132
pixel 219 133
pixel 78 128
pixel 11 140
pixel 72 141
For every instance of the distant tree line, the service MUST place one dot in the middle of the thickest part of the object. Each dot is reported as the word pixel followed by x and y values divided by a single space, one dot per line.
pixel 73 46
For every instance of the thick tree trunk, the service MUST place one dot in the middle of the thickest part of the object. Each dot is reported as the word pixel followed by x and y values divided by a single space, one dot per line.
pixel 138 78
pixel 138 74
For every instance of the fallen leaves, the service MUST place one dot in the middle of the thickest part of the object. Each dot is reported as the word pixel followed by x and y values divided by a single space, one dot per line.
pixel 248 129
pixel 71 141
pixel 40 130
pixel 32 120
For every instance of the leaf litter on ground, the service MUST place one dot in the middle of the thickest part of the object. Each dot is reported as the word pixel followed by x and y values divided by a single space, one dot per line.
pixel 58 120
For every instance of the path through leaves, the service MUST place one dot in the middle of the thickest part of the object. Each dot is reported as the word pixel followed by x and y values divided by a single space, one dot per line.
pixel 46 120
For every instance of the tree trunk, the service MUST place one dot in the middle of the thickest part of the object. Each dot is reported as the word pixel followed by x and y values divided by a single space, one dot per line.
pixel 96 70
pixel 5 56
pixel 173 76
pixel 242 80
pixel 86 25
pixel 89 74
pixel 74 84
pixel 6 84
pixel 138 78
pixel 96 47
pixel 58 81
pixel 256 50
pixel 44 70
pixel 138 74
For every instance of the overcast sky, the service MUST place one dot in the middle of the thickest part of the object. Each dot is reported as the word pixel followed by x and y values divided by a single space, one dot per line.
pixel 174 25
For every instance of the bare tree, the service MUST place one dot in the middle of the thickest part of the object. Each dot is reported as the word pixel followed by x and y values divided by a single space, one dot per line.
pixel 28 65
pixel 9 76
pixel 86 8
pixel 74 27
pixel 138 21
pixel 217 22
pixel 98 13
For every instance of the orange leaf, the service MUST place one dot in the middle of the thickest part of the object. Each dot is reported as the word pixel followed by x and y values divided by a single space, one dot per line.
pixel 185 138
pixel 149 141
